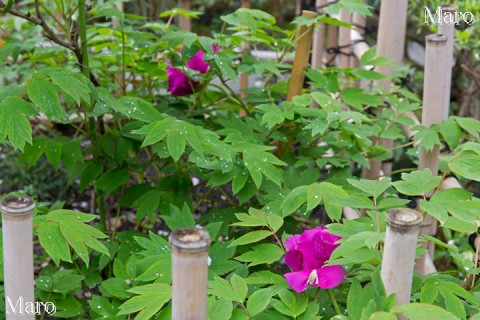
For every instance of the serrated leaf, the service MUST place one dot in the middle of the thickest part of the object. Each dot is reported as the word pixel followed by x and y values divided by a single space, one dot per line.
pixel 422 311
pixel 258 301
pixel 150 299
pixel 14 123
pixel 179 218
pixel 112 180
pixel 52 241
pixel 44 95
pixel 357 98
pixel 417 183
pixel 261 254
pixel 466 165
pixel 371 187
pixel 251 237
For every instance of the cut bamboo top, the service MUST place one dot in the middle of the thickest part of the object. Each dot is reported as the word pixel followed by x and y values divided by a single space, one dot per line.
pixel 190 241
pixel 436 39
pixel 404 220
pixel 17 208
pixel 448 8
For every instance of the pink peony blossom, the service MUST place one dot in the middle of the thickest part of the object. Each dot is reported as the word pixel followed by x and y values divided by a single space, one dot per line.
pixel 307 256
pixel 178 82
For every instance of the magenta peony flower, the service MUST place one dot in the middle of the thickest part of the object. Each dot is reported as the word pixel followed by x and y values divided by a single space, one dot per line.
pixel 307 255
pixel 178 82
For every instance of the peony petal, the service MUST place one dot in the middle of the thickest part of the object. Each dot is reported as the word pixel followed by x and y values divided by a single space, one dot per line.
pixel 294 260
pixel 329 276
pixel 324 244
pixel 292 242
pixel 298 280
pixel 308 246
pixel 178 82
pixel 197 63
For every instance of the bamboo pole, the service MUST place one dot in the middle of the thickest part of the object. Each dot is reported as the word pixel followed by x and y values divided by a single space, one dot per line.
pixel 302 53
pixel 245 48
pixel 318 40
pixel 448 29
pixel 359 22
pixel 184 22
pixel 344 39
pixel 435 93
pixel 298 7
pixel 391 44
pixel 399 252
pixel 189 273
pixel 435 109
pixel 18 256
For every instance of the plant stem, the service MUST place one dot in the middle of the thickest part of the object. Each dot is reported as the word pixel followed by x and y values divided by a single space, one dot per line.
pixel 82 21
pixel 334 302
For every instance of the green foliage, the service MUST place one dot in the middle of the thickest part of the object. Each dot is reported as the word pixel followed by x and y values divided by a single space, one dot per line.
pixel 251 169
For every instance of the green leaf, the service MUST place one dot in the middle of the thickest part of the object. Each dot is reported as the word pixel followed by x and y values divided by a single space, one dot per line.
pixel 61 228
pixel 370 58
pixel 357 98
pixel 371 187
pixel 357 6
pixel 236 291
pixel 262 254
pixel 240 288
pixel 254 218
pixel 429 292
pixel 220 309
pixel 258 301
pixel 149 300
pixel 456 202
pixel 44 95
pixel 112 180
pixel 14 122
pixel 251 237
pixel 417 183
pixel 179 219
pixel 139 109
pixel 330 192
pixel 428 137
pixel 53 242
pixel 369 74
pixel 53 152
pixel 294 200
pixel 451 133
pixel 147 204
pixel 176 142
pixel 422 311
pixel 70 84
pixel 472 126
pixel 354 201
pixel 466 165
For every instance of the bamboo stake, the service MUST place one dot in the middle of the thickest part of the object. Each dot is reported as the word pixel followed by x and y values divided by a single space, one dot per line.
pixel 359 22
pixel 391 44
pixel 245 48
pixel 184 22
pixel 435 109
pixel 300 61
pixel 298 7
pixel 448 29
pixel 399 252
pixel 344 39
pixel 318 40
pixel 189 273
pixel 18 255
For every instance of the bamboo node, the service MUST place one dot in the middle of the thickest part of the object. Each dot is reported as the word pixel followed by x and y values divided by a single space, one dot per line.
pixel 190 240
pixel 14 205
pixel 436 39
pixel 404 220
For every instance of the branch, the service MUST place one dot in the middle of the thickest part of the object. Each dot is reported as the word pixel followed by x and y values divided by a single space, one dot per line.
pixel 49 33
